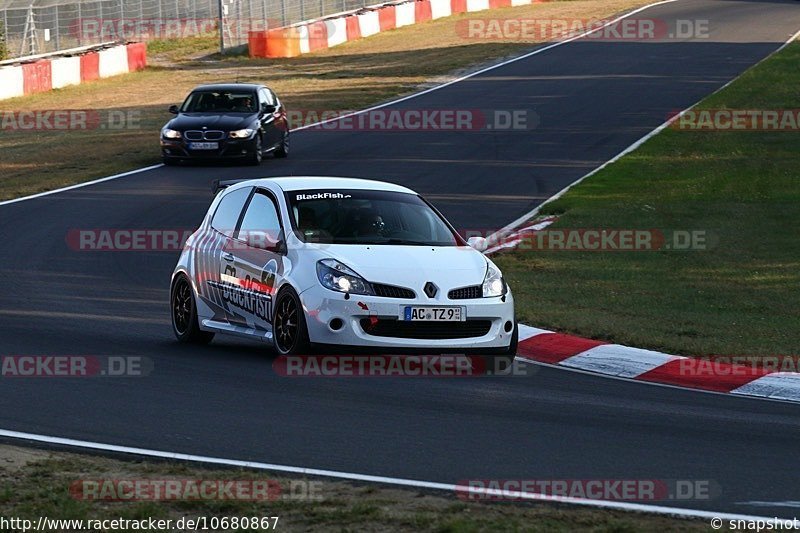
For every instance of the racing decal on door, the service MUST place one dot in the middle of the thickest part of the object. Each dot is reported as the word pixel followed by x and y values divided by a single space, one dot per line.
pixel 249 294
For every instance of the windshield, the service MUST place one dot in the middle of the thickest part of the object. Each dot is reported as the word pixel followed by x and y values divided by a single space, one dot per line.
pixel 335 216
pixel 220 102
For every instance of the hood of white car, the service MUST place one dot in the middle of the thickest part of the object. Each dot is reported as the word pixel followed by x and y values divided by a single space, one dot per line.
pixel 448 267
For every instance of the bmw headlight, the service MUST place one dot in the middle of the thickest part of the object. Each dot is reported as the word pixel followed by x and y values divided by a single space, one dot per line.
pixel 241 134
pixel 493 283
pixel 170 134
pixel 338 277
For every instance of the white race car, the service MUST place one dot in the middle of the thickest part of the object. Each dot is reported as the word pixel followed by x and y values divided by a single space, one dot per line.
pixel 304 262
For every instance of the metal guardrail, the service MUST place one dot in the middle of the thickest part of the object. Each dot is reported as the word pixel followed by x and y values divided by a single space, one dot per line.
pixel 67 52
pixel 34 27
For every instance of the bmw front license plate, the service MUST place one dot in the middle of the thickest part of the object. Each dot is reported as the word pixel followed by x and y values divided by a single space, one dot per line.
pixel 204 146
pixel 434 314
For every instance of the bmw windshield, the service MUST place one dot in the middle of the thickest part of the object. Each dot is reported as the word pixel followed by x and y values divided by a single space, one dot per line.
pixel 208 101
pixel 367 217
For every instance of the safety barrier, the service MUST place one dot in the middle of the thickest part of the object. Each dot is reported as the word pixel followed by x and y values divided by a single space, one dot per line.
pixel 319 34
pixel 40 74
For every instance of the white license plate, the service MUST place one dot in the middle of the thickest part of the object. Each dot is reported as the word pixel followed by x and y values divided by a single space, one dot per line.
pixel 433 314
pixel 204 146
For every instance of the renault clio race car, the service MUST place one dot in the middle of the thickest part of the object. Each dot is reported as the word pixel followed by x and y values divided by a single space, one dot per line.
pixel 304 262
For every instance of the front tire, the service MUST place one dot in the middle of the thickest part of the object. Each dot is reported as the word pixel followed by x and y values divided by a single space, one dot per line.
pixel 257 156
pixel 184 314
pixel 289 331
pixel 283 148
pixel 512 347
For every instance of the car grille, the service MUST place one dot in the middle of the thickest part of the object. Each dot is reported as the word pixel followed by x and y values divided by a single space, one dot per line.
pixel 210 135
pixel 390 291
pixel 387 327
pixel 466 293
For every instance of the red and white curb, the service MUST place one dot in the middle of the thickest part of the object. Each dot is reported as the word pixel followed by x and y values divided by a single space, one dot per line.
pixel 31 75
pixel 615 360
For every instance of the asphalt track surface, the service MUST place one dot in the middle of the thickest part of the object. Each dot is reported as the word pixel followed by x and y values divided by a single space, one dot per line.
pixel 593 99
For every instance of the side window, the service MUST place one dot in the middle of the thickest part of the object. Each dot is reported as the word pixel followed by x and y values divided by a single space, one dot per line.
pixel 265 97
pixel 229 210
pixel 260 221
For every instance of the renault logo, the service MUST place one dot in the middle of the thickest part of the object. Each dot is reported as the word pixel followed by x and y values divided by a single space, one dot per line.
pixel 430 289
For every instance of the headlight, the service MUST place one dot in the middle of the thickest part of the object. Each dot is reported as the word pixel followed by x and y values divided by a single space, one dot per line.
pixel 170 134
pixel 241 134
pixel 338 277
pixel 493 283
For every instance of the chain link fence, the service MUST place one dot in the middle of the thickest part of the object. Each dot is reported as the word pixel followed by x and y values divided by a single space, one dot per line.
pixel 43 26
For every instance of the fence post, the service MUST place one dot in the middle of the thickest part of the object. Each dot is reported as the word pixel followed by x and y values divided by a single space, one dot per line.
pixel 221 17
pixel 58 31
pixel 80 25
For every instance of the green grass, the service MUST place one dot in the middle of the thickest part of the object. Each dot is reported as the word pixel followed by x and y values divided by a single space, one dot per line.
pixel 743 188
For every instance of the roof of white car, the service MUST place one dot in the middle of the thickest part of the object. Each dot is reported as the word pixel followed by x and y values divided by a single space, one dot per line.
pixel 297 183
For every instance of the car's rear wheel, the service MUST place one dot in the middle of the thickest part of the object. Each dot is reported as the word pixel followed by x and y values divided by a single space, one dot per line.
pixel 257 155
pixel 184 314
pixel 289 324
pixel 283 148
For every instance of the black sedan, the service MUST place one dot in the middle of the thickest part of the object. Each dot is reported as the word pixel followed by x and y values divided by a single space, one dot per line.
pixel 232 121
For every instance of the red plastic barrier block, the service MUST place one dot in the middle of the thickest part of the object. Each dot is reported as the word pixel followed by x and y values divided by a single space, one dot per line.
pixel 137 56
pixel 494 4
pixel 90 66
pixel 422 11
pixel 317 36
pixel 458 6
pixel 353 29
pixel 388 18
pixel 37 77
pixel 257 43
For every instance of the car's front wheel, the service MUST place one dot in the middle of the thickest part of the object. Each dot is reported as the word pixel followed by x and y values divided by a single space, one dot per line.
pixel 258 151
pixel 283 148
pixel 289 324
pixel 184 314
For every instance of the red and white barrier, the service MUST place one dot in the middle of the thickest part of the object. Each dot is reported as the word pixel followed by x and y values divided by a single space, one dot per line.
pixel 440 8
pixel 11 82
pixel 55 72
pixel 312 35
pixel 66 71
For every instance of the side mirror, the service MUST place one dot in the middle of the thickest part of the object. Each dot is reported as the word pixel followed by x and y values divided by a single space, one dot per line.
pixel 266 108
pixel 266 240
pixel 479 243
pixel 173 109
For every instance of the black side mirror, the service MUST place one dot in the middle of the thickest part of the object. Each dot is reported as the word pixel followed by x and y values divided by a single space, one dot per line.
pixel 266 108
pixel 173 109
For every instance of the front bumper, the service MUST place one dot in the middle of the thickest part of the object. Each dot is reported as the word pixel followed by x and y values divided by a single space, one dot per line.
pixel 323 306
pixel 228 149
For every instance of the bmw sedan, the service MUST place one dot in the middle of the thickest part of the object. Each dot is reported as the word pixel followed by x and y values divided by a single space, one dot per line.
pixel 234 121
pixel 305 262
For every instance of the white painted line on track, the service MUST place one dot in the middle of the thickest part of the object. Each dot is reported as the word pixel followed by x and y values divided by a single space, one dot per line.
pixel 80 185
pixel 373 108
pixel 431 485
